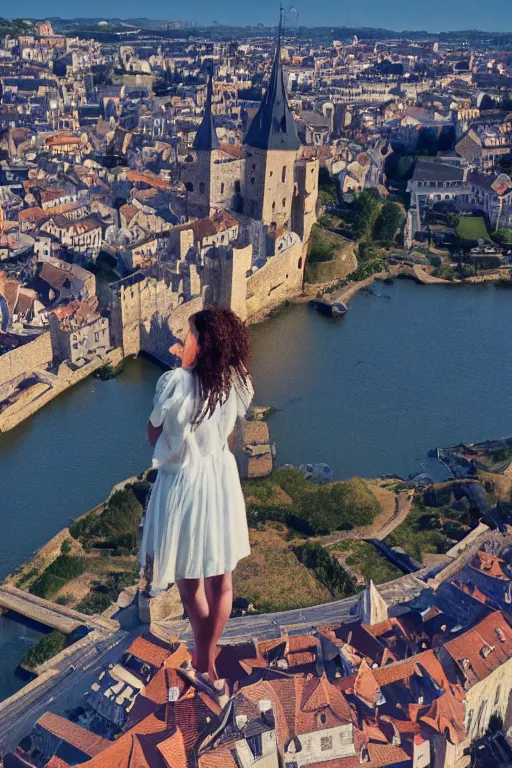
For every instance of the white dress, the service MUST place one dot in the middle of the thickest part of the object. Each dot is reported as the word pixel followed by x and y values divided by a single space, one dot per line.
pixel 195 524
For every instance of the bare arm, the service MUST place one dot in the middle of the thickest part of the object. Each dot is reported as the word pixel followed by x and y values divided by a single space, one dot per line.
pixel 153 433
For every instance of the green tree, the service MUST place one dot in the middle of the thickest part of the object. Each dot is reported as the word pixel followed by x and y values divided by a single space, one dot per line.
pixel 502 236
pixel 388 221
pixel 47 647
pixel 326 569
pixel 366 211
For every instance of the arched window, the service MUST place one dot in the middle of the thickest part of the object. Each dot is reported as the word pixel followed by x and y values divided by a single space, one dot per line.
pixel 299 264
pixel 222 188
pixel 189 186
pixel 283 174
pixel 284 202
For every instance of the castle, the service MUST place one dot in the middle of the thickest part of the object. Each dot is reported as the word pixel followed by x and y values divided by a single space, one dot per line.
pixel 250 210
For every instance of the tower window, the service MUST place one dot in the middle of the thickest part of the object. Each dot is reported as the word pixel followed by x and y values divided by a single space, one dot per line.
pixel 283 174
pixel 189 186
pixel 273 206
pixel 299 265
pixel 222 188
pixel 254 166
pixel 201 186
pixel 284 202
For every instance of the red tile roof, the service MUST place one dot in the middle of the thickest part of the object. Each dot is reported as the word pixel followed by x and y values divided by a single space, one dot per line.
pixel 73 734
pixel 147 178
pixel 173 750
pixel 483 648
pixel 145 650
pixel 490 564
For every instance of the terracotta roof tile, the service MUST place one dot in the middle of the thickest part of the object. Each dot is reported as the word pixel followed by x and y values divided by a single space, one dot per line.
pixel 145 650
pixel 221 757
pixel 491 565
pixel 64 729
pixel 56 762
pixel 366 687
pixel 173 750
pixel 483 648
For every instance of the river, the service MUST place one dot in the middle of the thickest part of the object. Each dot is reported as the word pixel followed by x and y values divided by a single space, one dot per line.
pixel 407 369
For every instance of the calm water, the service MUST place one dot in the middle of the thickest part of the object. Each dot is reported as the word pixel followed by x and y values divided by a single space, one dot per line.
pixel 16 638
pixel 369 395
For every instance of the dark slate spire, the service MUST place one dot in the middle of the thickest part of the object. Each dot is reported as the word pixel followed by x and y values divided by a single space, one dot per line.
pixel 273 126
pixel 206 136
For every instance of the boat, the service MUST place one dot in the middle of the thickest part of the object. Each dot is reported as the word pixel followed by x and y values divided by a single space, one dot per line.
pixel 328 309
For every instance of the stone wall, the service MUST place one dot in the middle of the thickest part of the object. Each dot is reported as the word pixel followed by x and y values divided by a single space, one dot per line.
pixel 213 182
pixel 268 185
pixel 139 308
pixel 12 416
pixel 278 280
pixel 23 360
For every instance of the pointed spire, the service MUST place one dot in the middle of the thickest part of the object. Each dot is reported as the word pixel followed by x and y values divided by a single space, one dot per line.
pixel 273 126
pixel 206 136
pixel 372 608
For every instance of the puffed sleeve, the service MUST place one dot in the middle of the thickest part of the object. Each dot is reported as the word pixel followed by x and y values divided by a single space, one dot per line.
pixel 170 388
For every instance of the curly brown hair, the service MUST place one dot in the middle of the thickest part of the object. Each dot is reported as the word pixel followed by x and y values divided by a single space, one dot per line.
pixel 224 352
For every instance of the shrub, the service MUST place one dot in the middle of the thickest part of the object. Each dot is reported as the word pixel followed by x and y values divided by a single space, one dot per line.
pixel 103 594
pixel 58 573
pixel 326 569
pixel 66 546
pixel 81 526
pixel 47 647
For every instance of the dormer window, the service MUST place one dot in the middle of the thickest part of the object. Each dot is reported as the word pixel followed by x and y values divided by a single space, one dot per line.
pixel 486 650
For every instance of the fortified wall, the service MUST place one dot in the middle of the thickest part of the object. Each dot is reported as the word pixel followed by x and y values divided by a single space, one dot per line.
pixel 23 360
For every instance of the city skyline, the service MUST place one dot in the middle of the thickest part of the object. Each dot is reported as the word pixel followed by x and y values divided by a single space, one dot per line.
pixel 495 16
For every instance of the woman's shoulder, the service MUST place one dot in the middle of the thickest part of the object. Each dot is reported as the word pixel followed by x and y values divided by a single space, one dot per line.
pixel 177 378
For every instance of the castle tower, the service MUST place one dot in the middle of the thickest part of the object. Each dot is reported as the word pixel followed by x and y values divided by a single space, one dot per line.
pixel 271 146
pixel 372 608
pixel 198 178
pixel 212 181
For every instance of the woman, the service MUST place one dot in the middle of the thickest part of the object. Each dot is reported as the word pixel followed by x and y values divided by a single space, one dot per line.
pixel 195 529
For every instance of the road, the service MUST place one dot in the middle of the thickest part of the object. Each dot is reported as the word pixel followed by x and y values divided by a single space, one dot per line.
pixel 61 692
pixel 301 620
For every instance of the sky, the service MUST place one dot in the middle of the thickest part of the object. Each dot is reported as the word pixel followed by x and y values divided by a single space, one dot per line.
pixel 431 15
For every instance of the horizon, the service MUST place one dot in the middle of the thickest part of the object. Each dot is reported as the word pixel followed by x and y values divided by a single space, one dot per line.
pixel 402 18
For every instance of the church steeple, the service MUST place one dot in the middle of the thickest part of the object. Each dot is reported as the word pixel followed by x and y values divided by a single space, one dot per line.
pixel 273 126
pixel 206 136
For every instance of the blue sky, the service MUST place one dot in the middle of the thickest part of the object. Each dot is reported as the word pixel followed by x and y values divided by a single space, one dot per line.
pixel 432 15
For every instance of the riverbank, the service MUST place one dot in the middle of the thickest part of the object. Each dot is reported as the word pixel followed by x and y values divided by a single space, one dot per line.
pixel 44 386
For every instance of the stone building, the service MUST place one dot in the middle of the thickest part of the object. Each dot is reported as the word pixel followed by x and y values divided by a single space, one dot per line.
pixel 78 331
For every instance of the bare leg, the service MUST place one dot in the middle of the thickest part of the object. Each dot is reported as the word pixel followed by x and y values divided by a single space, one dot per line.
pixel 193 597
pixel 219 594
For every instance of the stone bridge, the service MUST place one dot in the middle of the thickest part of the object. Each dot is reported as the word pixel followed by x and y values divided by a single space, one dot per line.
pixel 57 617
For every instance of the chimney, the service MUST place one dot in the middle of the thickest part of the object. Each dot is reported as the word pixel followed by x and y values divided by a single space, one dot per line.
pixel 264 705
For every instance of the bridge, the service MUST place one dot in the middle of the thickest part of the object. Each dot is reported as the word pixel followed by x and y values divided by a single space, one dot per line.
pixel 55 616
